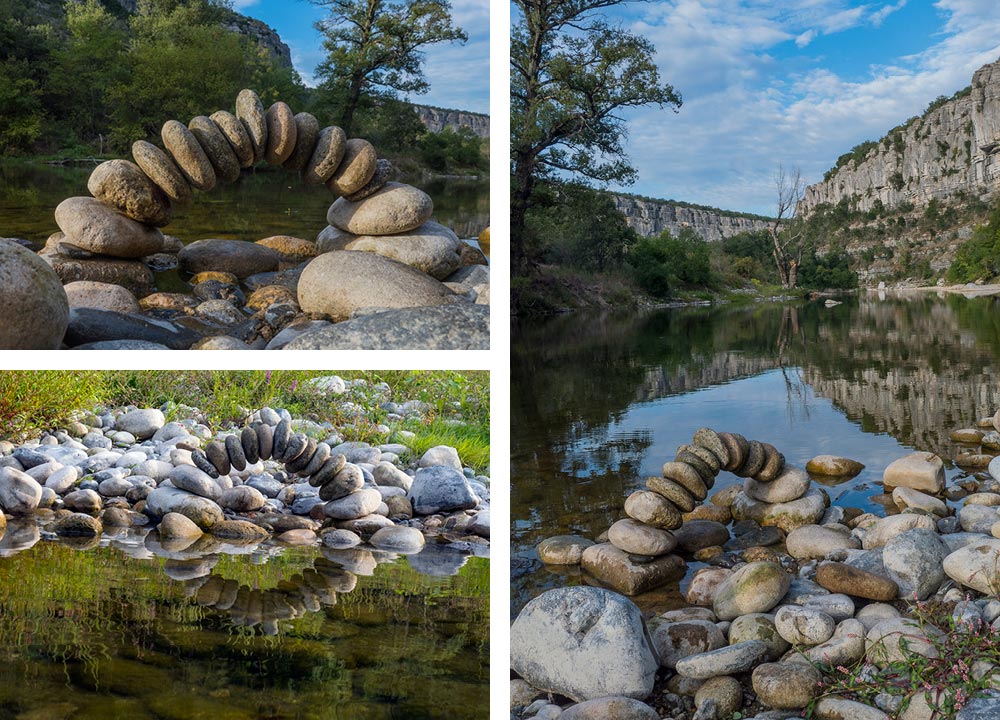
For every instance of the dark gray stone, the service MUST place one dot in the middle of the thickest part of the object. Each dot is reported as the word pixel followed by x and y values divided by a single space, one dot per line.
pixel 281 435
pixel 248 440
pixel 235 452
pixel 90 325
pixel 460 326
pixel 265 440
pixel 215 451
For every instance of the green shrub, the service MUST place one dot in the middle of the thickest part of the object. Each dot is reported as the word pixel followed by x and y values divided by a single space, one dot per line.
pixel 979 256
pixel 35 400
pixel 662 262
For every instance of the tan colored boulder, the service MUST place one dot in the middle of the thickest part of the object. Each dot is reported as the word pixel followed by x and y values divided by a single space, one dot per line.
pixel 188 154
pixel 125 187
pixel 162 170
pixel 356 168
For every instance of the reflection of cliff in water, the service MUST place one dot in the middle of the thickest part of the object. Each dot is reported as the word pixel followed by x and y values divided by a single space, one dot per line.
pixel 913 368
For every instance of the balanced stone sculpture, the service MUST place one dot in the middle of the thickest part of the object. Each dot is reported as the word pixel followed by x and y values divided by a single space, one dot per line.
pixel 638 553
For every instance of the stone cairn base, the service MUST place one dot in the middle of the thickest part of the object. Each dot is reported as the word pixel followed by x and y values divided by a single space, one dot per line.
pixel 336 478
pixel 133 200
pixel 638 553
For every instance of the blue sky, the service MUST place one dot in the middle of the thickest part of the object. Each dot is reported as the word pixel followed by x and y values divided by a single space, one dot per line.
pixel 458 74
pixel 799 83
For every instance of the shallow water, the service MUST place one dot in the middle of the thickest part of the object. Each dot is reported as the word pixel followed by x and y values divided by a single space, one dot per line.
pixel 128 629
pixel 261 203
pixel 601 400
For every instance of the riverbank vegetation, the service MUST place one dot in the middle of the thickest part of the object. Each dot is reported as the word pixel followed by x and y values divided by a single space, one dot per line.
pixel 583 253
pixel 86 79
pixel 33 401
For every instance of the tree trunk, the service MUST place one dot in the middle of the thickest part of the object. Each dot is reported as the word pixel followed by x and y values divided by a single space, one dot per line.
pixel 793 273
pixel 353 96
pixel 520 196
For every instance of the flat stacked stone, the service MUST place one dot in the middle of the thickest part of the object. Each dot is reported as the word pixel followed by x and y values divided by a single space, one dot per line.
pixel 638 554
pixel 131 200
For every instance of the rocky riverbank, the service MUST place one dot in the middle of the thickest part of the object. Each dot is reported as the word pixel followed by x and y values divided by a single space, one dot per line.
pixel 187 492
pixel 381 275
pixel 798 607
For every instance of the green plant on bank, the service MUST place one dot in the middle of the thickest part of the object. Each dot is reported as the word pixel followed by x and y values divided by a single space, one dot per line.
pixel 31 400
pixel 979 256
pixel 946 681
pixel 662 263
pixel 458 414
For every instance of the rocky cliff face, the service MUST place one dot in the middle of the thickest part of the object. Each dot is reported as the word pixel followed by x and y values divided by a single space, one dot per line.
pixel 264 35
pixel 651 217
pixel 437 119
pixel 952 148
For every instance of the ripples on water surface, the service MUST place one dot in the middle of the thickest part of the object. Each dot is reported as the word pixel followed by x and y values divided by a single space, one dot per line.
pixel 600 401
pixel 116 631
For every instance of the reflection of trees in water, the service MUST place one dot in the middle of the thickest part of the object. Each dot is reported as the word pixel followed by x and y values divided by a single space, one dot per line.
pixel 263 202
pixel 910 368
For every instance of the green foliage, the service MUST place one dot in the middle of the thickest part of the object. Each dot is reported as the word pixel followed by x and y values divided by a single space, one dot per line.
pixel 831 271
pixel 979 256
pixel 942 673
pixel 73 77
pixel 664 262
pixel 26 42
pixel 182 62
pixel 576 226
pixel 748 256
pixel 21 112
pixel 852 157
pixel 572 78
pixel 91 60
pixel 30 400
pixel 449 150
pixel 458 412
pixel 896 181
pixel 374 48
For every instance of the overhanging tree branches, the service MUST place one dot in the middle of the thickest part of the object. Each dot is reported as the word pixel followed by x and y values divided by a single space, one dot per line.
pixel 373 48
pixel 571 76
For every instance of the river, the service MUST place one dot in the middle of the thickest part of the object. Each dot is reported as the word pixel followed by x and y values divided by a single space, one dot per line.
pixel 128 628
pixel 261 203
pixel 601 400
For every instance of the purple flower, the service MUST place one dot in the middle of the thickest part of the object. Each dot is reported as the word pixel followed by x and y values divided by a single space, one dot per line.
pixel 295 384
pixel 268 377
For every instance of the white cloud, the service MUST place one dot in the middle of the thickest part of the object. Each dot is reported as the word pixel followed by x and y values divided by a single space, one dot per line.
pixel 879 16
pixel 805 38
pixel 744 111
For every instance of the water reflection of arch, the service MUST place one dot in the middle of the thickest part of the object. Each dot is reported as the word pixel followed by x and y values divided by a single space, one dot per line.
pixel 192 563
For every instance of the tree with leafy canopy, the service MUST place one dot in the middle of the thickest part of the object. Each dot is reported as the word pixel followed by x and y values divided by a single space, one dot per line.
pixel 374 50
pixel 571 76
pixel 183 62
pixel 26 42
pixel 85 67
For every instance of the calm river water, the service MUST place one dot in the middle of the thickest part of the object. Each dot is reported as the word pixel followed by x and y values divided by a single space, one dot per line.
pixel 129 629
pixel 263 203
pixel 600 401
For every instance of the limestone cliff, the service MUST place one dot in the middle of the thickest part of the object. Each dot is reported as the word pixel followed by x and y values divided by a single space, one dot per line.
pixel 651 217
pixel 953 147
pixel 437 119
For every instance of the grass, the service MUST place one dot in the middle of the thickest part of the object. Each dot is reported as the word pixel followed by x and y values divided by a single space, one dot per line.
pixel 947 682
pixel 458 411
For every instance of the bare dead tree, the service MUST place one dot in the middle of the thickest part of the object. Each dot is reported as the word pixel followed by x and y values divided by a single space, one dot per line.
pixel 788 244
